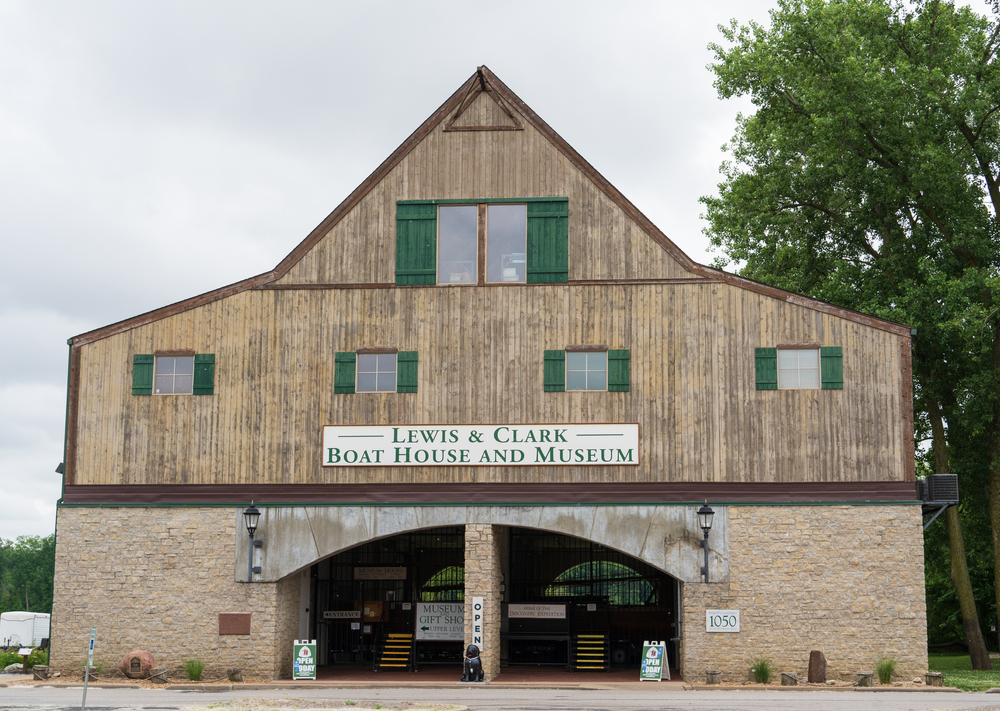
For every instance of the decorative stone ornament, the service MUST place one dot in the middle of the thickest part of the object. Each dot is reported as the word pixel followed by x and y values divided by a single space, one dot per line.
pixel 137 664
pixel 789 679
pixel 817 667
pixel 865 678
pixel 713 677
pixel 934 678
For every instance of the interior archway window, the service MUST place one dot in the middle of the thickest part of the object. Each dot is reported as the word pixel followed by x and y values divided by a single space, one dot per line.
pixel 604 579
pixel 447 585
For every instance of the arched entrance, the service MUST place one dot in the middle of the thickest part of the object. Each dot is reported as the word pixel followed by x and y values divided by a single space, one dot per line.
pixel 563 588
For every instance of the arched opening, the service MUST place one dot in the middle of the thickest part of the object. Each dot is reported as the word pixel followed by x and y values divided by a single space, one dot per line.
pixel 562 588
pixel 361 595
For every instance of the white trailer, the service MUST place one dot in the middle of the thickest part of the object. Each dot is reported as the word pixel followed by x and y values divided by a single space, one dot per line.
pixel 26 629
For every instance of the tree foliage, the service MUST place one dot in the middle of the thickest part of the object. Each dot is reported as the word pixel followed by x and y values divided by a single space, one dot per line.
pixel 867 176
pixel 26 569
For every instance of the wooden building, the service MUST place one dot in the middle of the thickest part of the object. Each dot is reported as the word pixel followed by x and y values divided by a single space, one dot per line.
pixel 487 376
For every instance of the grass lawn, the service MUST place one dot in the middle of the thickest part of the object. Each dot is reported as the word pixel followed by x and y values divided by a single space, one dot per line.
pixel 957 670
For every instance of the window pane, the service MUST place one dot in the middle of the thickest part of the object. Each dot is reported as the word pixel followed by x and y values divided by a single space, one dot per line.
pixel 576 380
pixel 788 378
pixel 182 384
pixel 809 359
pixel 809 378
pixel 597 380
pixel 576 361
pixel 387 382
pixel 597 361
pixel 457 237
pixel 184 365
pixel 367 362
pixel 366 382
pixel 387 363
pixel 788 359
pixel 506 235
pixel 164 364
pixel 164 384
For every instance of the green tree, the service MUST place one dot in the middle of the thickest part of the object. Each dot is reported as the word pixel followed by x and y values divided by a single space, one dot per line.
pixel 26 570
pixel 868 177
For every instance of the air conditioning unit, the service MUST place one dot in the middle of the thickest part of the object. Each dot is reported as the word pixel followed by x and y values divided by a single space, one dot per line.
pixel 942 488
pixel 922 494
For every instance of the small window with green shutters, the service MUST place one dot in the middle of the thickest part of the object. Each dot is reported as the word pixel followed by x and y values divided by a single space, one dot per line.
pixel 173 373
pixel 799 368
pixel 576 369
pixel 381 371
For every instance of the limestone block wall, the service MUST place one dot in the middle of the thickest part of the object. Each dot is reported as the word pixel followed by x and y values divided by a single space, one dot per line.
pixel 846 580
pixel 484 546
pixel 157 579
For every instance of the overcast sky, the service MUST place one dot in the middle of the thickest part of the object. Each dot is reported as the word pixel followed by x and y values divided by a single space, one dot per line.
pixel 153 151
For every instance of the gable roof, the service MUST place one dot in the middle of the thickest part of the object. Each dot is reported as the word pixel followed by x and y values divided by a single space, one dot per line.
pixel 483 81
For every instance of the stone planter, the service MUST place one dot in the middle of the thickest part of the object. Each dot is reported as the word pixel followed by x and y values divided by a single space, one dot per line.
pixel 713 677
pixel 789 679
pixel 40 671
pixel 865 679
pixel 934 679
pixel 235 675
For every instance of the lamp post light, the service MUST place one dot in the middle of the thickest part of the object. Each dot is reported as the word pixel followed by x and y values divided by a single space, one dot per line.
pixel 250 517
pixel 705 516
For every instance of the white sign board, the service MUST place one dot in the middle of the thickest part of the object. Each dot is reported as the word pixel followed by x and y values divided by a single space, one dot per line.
pixel 537 612
pixel 441 621
pixel 722 620
pixel 478 613
pixel 342 615
pixel 480 445
pixel 384 573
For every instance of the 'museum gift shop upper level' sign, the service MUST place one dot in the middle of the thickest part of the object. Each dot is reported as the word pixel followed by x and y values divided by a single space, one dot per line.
pixel 480 445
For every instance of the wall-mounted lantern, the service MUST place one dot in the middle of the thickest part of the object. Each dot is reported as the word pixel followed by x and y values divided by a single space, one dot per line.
pixel 250 517
pixel 705 516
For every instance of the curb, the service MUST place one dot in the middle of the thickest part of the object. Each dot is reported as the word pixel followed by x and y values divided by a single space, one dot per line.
pixel 859 689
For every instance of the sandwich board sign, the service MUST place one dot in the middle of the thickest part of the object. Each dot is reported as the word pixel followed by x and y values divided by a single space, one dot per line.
pixel 654 661
pixel 304 662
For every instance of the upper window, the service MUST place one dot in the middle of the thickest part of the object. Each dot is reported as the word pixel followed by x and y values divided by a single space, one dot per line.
pixel 488 241
pixel 504 236
pixel 587 370
pixel 372 371
pixel 798 368
pixel 174 375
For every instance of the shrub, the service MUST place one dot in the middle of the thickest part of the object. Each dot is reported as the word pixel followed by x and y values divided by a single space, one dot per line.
pixel 194 667
pixel 8 657
pixel 885 667
pixel 762 670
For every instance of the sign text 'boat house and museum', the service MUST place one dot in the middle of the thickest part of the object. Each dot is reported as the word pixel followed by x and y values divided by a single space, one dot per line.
pixel 505 445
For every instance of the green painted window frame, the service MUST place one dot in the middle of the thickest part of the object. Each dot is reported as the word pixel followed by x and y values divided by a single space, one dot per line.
pixel 554 371
pixel 831 365
pixel 546 243
pixel 345 373
pixel 143 365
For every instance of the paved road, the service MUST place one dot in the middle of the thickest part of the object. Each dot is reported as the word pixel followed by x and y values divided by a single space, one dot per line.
pixel 495 699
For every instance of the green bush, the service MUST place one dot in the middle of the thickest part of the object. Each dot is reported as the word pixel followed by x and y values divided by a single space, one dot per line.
pixel 885 667
pixel 762 670
pixel 8 657
pixel 194 667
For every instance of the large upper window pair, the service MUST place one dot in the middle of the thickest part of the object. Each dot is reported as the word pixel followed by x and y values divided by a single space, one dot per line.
pixel 482 241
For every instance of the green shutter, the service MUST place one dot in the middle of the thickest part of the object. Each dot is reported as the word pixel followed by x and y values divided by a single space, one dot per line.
pixel 416 244
pixel 831 367
pixel 548 241
pixel 204 374
pixel 343 372
pixel 406 372
pixel 555 371
pixel 767 368
pixel 142 374
pixel 618 371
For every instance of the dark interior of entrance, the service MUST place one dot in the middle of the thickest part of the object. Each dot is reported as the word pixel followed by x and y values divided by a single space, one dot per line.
pixel 365 602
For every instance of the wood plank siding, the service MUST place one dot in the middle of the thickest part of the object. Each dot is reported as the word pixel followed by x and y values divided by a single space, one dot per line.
pixel 692 385
pixel 604 243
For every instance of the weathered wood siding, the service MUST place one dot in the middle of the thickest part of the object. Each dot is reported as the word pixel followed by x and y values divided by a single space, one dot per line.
pixel 604 243
pixel 692 385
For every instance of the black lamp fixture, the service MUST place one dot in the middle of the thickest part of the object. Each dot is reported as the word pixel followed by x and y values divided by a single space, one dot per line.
pixel 250 518
pixel 705 516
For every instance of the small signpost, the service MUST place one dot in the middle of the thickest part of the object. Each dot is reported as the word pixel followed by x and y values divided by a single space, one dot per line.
pixel 90 663
pixel 654 661
pixel 304 659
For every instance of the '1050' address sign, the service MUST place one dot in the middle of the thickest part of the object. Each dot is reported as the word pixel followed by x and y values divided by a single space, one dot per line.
pixel 480 445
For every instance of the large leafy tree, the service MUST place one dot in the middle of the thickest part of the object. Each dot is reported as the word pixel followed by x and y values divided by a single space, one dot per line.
pixel 868 177
pixel 26 570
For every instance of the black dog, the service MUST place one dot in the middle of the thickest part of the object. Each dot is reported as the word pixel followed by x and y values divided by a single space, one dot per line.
pixel 473 665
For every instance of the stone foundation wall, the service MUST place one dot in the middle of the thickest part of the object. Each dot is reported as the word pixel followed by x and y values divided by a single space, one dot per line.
pixel 483 546
pixel 846 580
pixel 157 579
